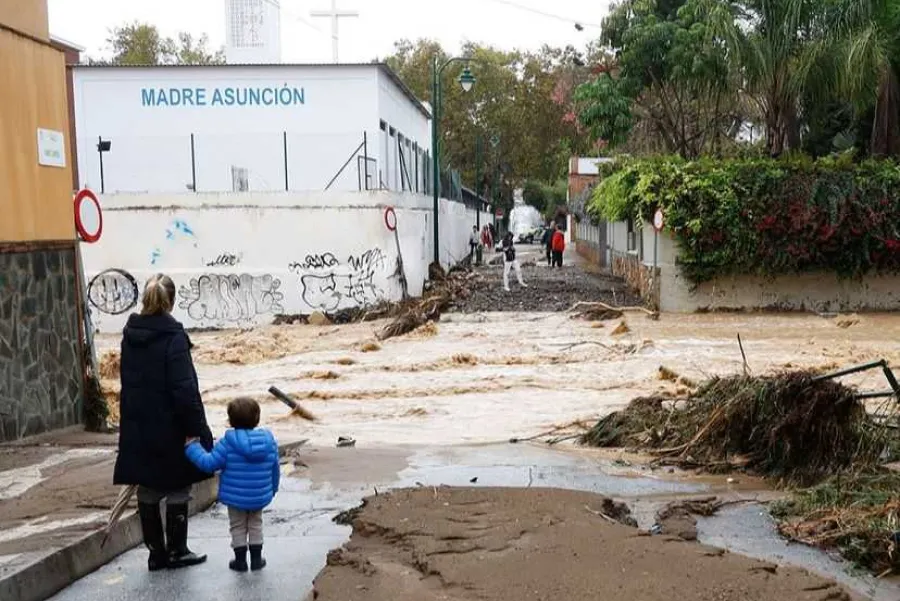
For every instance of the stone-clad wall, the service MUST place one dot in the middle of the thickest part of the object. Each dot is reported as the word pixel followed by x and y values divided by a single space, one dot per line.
pixel 40 373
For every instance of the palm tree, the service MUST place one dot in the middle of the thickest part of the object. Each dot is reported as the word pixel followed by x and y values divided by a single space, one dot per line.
pixel 780 49
pixel 872 64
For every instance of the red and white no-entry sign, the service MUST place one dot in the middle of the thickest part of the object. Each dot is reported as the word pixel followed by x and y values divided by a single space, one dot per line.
pixel 88 216
pixel 390 219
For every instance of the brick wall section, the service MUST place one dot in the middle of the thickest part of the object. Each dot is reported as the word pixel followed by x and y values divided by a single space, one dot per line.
pixel 40 373
pixel 580 183
pixel 638 277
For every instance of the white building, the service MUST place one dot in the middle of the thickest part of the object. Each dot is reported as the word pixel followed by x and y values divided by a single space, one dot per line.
pixel 229 128
pixel 252 31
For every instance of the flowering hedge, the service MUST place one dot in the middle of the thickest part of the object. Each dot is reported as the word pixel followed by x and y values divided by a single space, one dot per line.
pixel 764 216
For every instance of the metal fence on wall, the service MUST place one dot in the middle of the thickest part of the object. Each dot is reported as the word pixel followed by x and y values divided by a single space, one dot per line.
pixel 243 162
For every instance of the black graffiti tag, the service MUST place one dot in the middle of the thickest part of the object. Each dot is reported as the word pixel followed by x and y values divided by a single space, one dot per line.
pixel 113 291
pixel 219 297
pixel 225 260
pixel 330 285
pixel 314 262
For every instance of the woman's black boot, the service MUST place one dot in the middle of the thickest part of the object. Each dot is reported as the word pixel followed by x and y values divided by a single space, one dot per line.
pixel 154 537
pixel 177 533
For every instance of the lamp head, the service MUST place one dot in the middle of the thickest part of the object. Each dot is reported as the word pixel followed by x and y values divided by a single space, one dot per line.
pixel 466 79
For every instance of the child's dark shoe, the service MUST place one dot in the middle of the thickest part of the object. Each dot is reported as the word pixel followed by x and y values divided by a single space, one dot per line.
pixel 239 563
pixel 257 562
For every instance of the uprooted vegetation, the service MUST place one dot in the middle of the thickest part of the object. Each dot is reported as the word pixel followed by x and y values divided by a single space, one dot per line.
pixel 857 514
pixel 795 430
pixel 789 427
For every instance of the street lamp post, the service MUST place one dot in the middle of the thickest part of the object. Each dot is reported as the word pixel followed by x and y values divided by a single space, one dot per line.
pixel 466 80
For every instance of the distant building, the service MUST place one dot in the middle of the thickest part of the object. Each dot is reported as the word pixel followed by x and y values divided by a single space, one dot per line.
pixel 224 128
pixel 252 32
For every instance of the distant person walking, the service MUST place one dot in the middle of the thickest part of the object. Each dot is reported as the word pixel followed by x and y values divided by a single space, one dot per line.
pixel 160 409
pixel 510 262
pixel 546 242
pixel 474 241
pixel 487 240
pixel 558 245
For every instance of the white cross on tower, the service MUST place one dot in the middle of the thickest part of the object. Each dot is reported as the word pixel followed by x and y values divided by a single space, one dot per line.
pixel 334 14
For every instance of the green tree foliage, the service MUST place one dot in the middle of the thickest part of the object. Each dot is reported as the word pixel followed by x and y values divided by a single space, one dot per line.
pixel 526 99
pixel 544 197
pixel 142 44
pixel 670 74
pixel 691 74
pixel 872 67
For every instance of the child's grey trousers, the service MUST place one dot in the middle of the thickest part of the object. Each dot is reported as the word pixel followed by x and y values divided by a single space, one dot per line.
pixel 246 527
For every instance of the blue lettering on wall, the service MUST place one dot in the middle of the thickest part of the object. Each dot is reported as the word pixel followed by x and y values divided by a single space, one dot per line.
pixel 227 96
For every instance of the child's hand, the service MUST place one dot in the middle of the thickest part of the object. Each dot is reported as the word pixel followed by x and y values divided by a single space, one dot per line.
pixel 190 441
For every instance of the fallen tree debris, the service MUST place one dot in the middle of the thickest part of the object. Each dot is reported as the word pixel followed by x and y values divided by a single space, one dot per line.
pixel 445 289
pixel 598 311
pixel 789 427
pixel 856 514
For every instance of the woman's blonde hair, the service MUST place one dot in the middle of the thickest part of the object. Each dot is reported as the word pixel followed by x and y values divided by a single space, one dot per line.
pixel 159 295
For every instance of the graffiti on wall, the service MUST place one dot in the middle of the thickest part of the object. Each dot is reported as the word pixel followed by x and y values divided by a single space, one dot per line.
pixel 329 284
pixel 225 260
pixel 113 291
pixel 315 262
pixel 220 297
pixel 179 229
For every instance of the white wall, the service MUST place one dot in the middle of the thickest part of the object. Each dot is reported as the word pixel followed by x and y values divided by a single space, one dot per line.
pixel 240 259
pixel 413 125
pixel 237 118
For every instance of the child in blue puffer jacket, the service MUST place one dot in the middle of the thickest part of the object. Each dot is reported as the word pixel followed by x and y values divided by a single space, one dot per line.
pixel 248 459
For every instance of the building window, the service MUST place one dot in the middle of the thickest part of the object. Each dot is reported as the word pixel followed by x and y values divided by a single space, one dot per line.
pixel 240 179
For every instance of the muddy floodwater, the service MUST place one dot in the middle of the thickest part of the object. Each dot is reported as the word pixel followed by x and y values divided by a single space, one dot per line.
pixel 438 406
pixel 478 378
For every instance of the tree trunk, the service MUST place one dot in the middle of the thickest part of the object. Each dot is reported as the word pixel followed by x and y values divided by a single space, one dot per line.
pixel 885 139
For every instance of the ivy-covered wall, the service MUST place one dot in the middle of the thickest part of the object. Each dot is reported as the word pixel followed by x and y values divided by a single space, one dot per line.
pixel 764 217
pixel 40 366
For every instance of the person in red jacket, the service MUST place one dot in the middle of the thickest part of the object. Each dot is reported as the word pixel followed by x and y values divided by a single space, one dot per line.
pixel 558 245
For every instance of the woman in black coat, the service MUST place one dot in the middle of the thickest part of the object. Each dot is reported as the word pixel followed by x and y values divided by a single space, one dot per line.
pixel 160 408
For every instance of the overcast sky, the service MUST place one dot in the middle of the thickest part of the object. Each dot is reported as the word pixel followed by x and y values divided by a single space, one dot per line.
pixel 381 22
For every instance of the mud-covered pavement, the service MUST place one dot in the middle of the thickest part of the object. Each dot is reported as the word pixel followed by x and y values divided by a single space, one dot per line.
pixel 548 289
pixel 438 406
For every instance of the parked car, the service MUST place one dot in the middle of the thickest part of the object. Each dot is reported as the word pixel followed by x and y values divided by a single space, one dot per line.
pixel 529 236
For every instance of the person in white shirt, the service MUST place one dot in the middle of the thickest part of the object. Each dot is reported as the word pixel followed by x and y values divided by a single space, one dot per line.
pixel 474 241
pixel 510 262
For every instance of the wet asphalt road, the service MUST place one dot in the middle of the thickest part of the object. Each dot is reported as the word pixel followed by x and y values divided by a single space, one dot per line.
pixel 300 532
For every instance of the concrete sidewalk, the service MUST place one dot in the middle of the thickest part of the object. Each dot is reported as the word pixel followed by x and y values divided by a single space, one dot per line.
pixel 56 494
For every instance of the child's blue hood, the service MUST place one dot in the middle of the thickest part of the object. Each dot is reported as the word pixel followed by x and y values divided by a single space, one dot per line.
pixel 254 445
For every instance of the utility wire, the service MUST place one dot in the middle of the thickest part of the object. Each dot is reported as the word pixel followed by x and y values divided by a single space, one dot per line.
pixel 537 11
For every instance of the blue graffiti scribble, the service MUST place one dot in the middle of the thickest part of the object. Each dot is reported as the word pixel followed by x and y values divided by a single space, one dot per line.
pixel 170 235
pixel 154 256
pixel 183 227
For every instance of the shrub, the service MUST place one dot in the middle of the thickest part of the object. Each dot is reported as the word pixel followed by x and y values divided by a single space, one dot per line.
pixel 765 216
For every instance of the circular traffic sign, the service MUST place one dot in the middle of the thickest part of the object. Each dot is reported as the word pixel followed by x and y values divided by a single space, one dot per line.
pixel 658 220
pixel 88 216
pixel 390 219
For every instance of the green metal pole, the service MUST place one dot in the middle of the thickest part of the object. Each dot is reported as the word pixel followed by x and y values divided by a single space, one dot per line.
pixel 478 152
pixel 435 159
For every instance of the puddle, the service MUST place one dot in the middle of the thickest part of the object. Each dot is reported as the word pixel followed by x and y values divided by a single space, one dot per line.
pixel 750 530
